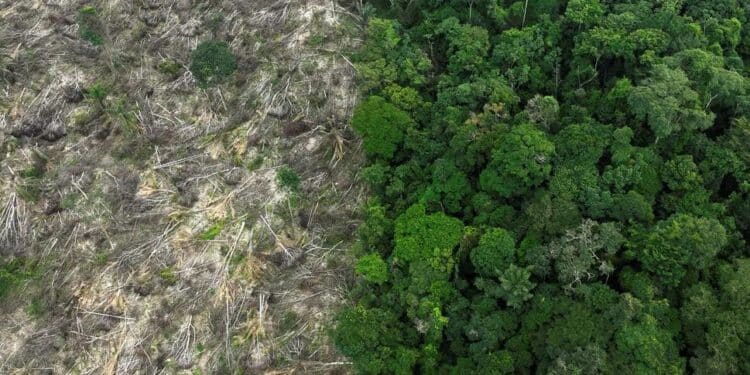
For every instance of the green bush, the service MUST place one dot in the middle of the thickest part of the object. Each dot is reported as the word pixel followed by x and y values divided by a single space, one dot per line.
pixel 97 93
pixel 288 179
pixel 14 273
pixel 212 63
pixel 170 68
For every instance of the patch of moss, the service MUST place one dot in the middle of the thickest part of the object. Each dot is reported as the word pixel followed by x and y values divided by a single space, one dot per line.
pixel 136 150
pixel 36 171
pixel 288 321
pixel 69 201
pixel 101 258
pixel 316 40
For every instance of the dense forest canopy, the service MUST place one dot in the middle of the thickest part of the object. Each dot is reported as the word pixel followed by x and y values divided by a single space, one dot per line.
pixel 559 187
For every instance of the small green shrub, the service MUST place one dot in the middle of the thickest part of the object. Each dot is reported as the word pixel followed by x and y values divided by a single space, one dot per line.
pixel 101 258
pixel 36 308
pixel 256 163
pixel 89 25
pixel 212 232
pixel 288 179
pixel 212 63
pixel 135 150
pixel 214 21
pixel 32 172
pixel 170 68
pixel 30 190
pixel 168 276
pixel 316 40
pixel 97 93
pixel 125 115
pixel 14 273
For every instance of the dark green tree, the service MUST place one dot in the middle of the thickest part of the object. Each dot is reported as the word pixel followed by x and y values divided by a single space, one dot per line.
pixel 381 125
pixel 677 244
pixel 522 160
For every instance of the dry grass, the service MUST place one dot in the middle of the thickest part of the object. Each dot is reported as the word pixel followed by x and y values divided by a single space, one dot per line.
pixel 167 245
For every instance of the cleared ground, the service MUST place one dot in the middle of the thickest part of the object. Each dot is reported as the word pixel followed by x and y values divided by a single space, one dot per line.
pixel 156 232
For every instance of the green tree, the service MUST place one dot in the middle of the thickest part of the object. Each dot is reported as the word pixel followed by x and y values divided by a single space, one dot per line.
pixel 679 243
pixel 585 253
pixel 450 185
pixel 667 104
pixel 543 111
pixel 467 46
pixel 578 144
pixel 522 160
pixel 381 125
pixel 373 268
pixel 417 234
pixel 513 286
pixel 375 340
pixel 495 252
pixel 529 56
pixel 631 206
pixel 389 58
pixel 681 173
pixel 644 348
pixel 584 12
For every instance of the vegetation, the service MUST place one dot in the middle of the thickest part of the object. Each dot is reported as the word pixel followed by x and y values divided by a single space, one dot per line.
pixel 212 232
pixel 288 179
pixel 170 68
pixel 559 187
pixel 14 273
pixel 212 63
pixel 90 26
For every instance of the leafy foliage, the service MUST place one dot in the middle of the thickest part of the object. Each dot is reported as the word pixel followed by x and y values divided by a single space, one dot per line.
pixel 560 187
pixel 14 273
pixel 212 62
pixel 522 160
pixel 373 268
pixel 679 243
pixel 382 126
pixel 495 252
pixel 89 25
pixel 288 179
